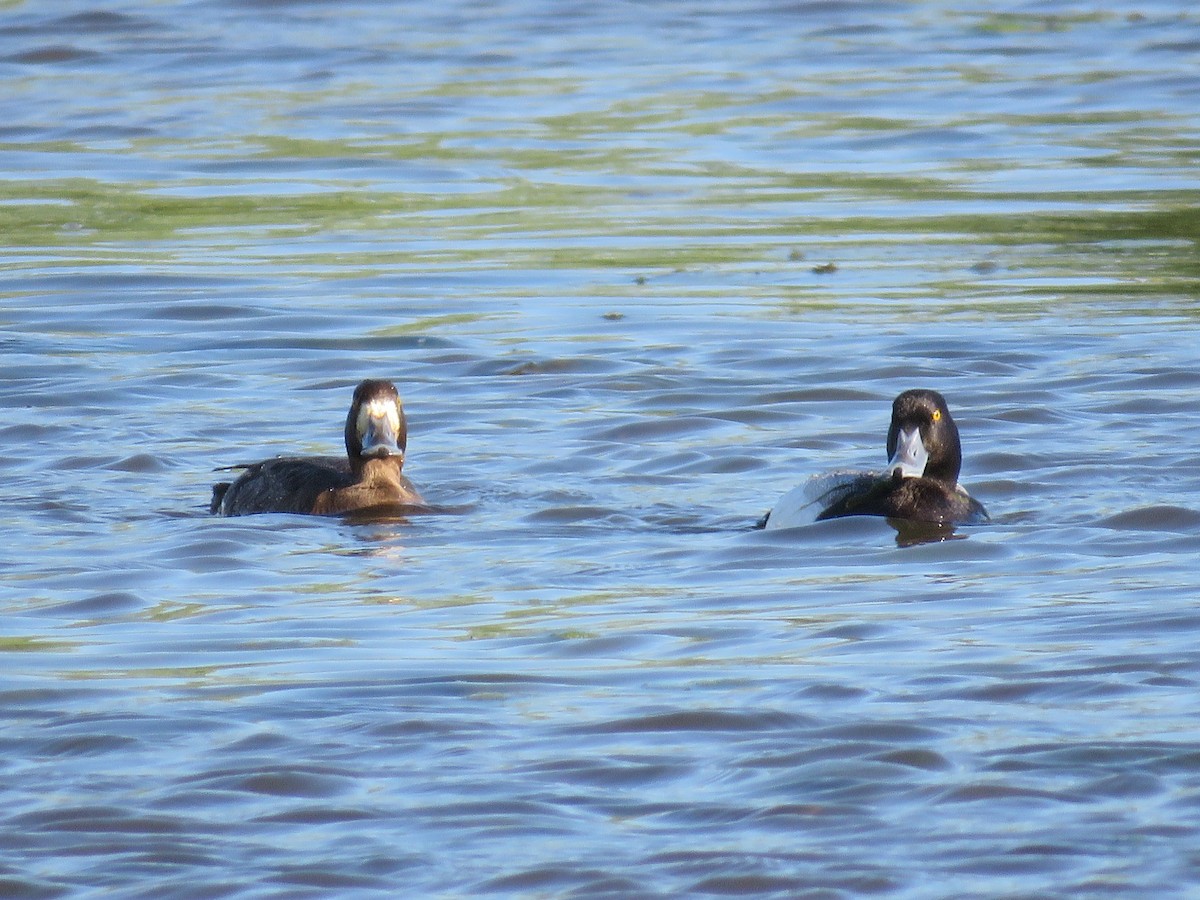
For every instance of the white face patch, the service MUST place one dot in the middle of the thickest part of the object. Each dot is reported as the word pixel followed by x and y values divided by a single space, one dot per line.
pixel 378 409
pixel 378 425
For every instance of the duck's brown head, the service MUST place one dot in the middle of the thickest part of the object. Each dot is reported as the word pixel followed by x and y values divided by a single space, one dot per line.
pixel 375 426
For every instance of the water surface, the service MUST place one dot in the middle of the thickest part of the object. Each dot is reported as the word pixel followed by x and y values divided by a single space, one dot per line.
pixel 637 271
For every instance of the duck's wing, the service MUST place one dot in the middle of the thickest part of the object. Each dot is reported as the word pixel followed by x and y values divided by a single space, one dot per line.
pixel 866 494
pixel 804 505
pixel 287 484
pixel 973 512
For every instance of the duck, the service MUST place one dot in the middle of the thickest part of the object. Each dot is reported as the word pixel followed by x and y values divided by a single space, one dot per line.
pixel 920 483
pixel 369 476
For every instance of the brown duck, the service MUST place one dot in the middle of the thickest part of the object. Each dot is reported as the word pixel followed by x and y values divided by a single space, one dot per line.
pixel 369 475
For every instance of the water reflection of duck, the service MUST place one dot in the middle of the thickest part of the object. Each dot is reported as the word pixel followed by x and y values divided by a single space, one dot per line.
pixel 369 476
pixel 919 484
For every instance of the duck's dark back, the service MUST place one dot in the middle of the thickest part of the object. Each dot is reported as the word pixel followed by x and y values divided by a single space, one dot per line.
pixel 288 484
pixel 917 499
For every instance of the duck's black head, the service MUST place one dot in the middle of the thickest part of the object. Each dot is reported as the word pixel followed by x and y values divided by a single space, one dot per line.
pixel 375 426
pixel 923 439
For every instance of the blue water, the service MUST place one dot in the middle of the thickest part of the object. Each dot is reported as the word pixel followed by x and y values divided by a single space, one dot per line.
pixel 637 271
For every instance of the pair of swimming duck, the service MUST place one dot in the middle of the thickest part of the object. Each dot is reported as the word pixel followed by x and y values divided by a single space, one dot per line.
pixel 920 482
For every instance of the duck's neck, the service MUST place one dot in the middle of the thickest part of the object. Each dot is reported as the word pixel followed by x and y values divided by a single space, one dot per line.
pixel 945 471
pixel 382 470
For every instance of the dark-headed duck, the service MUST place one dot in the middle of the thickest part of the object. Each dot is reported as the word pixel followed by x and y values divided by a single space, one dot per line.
pixel 920 483
pixel 369 475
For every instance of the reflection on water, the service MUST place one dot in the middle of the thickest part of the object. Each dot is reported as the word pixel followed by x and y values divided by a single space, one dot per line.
pixel 636 272
pixel 910 533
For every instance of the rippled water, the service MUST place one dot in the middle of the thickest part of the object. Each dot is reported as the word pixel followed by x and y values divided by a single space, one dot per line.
pixel 637 270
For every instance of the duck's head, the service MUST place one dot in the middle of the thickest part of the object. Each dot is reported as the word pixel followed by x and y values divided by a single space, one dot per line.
pixel 375 426
pixel 923 439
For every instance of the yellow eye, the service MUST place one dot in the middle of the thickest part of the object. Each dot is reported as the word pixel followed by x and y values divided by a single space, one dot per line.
pixel 937 415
